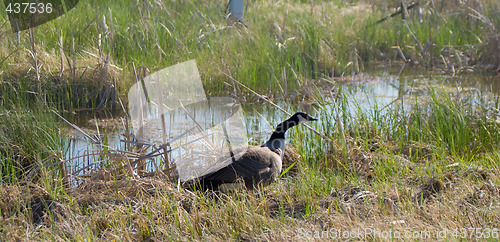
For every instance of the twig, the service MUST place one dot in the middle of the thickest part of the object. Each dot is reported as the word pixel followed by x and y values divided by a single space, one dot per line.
pixel 93 20
pixel 73 57
pixel 34 55
pixel 163 126
pixel 412 35
pixel 35 170
pixel 211 145
pixel 61 50
pixel 11 53
pixel 78 129
pixel 400 53
pixel 400 11
pixel 395 100
pixel 338 122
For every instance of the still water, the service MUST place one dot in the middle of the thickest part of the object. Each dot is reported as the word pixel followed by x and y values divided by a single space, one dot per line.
pixel 380 92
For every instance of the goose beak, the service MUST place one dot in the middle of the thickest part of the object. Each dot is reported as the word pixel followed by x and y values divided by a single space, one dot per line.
pixel 309 118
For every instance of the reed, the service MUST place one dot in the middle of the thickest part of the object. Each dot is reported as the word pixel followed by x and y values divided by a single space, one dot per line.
pixel 380 166
pixel 283 41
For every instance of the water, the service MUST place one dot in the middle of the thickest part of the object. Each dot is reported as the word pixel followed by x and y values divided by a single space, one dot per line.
pixel 369 92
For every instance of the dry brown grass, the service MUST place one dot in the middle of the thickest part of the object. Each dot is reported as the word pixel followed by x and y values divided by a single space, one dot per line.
pixel 152 208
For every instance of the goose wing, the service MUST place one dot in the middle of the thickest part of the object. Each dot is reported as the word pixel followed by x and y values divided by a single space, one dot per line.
pixel 255 164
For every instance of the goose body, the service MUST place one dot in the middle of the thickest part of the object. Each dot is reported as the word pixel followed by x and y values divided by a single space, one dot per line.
pixel 259 164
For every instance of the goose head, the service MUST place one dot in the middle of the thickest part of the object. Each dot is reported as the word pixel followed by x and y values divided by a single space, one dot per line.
pixel 296 119
pixel 277 140
pixel 301 117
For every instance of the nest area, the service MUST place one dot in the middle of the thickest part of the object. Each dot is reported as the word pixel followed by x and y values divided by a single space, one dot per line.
pixel 39 202
pixel 122 167
pixel 121 170
pixel 116 184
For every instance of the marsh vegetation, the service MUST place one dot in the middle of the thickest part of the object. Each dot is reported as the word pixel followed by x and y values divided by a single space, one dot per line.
pixel 424 157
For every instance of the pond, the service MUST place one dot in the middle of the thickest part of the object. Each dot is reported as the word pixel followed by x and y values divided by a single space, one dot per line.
pixel 375 93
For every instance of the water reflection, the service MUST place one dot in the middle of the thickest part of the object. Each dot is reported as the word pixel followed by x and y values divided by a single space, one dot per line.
pixel 379 92
pixel 375 92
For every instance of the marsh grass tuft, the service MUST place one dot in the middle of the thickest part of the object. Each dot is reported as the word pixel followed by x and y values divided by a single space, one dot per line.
pixel 27 137
pixel 418 180
pixel 288 42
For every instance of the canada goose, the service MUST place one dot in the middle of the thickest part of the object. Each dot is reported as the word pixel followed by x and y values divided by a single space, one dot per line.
pixel 259 164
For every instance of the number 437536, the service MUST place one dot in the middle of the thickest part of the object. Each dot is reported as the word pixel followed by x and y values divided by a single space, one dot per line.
pixel 29 8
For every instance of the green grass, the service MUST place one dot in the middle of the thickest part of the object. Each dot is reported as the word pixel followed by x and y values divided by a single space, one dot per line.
pixel 422 174
pixel 284 41
pixel 433 166
pixel 27 137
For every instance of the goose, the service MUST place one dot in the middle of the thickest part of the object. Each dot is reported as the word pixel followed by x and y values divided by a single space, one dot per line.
pixel 258 165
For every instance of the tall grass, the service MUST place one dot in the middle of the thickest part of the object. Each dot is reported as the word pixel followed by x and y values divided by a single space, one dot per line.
pixel 460 138
pixel 422 165
pixel 27 137
pixel 283 42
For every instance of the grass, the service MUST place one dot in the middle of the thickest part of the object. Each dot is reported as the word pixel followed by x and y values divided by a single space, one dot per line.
pixel 430 167
pixel 424 173
pixel 98 41
pixel 27 137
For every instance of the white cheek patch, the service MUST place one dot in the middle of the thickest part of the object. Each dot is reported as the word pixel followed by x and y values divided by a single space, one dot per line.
pixel 302 120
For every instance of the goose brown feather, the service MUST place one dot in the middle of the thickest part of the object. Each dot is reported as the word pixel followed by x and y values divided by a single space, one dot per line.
pixel 256 165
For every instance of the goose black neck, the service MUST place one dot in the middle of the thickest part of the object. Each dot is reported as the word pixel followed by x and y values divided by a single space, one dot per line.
pixel 281 129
